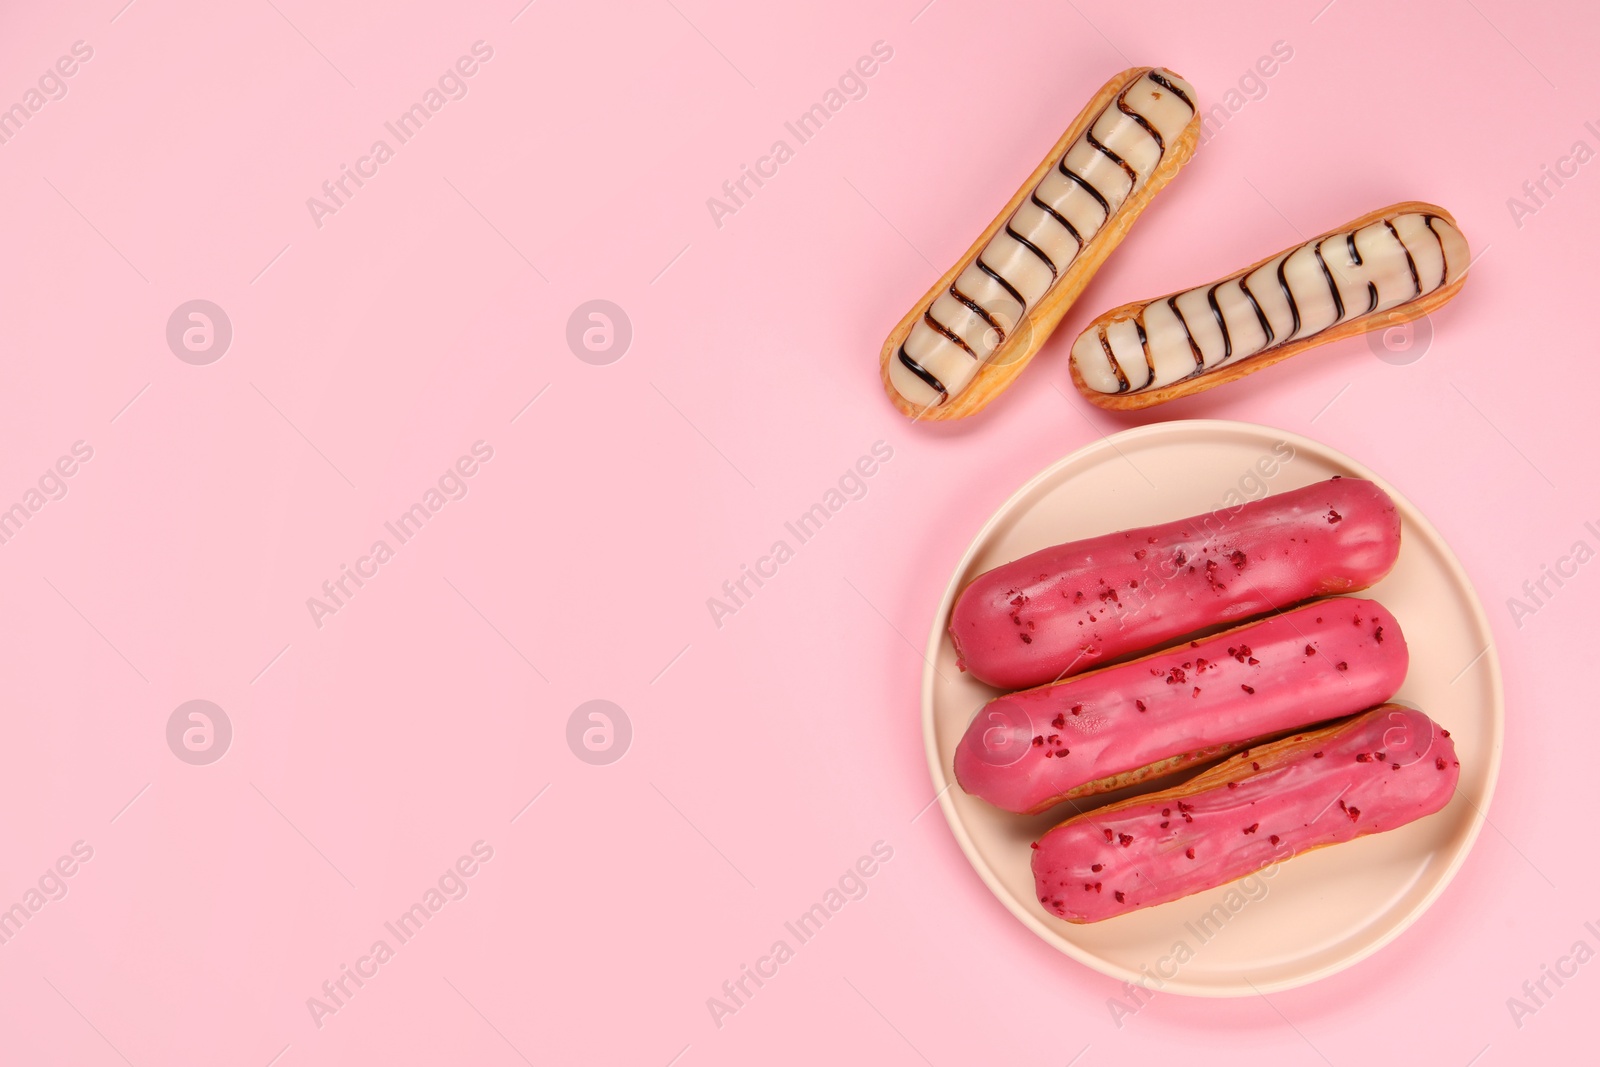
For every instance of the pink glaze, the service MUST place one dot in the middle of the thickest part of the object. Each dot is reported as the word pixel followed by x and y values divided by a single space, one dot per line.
pixel 1382 769
pixel 1026 751
pixel 1065 609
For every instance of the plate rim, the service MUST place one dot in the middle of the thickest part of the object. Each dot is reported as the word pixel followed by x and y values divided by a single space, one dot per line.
pixel 944 784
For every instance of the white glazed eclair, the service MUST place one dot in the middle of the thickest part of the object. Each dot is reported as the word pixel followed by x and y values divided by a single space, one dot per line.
pixel 973 332
pixel 1387 267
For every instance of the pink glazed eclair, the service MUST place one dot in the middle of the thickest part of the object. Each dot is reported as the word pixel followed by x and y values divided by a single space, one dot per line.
pixel 1118 726
pixel 1379 770
pixel 1065 609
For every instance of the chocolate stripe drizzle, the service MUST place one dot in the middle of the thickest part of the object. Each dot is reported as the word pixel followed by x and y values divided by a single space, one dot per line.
pixel 1188 335
pixel 1261 316
pixel 1144 347
pixel 1162 80
pixel 1094 142
pixel 1333 287
pixel 1222 324
pixel 1444 261
pixel 1356 261
pixel 978 310
pixel 1283 283
pixel 945 331
pixel 1085 185
pixel 1122 379
pixel 1416 278
pixel 922 372
pixel 1007 286
pixel 1122 106
pixel 1035 249
pixel 1072 230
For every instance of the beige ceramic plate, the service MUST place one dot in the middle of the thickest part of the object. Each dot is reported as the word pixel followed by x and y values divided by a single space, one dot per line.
pixel 1320 912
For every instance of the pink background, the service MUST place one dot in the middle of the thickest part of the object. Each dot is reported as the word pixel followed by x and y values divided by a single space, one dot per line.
pixel 767 754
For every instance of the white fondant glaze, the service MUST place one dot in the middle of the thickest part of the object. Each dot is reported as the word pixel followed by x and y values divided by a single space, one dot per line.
pixel 1301 293
pixel 953 366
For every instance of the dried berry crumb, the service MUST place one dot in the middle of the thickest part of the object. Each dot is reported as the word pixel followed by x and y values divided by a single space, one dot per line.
pixel 1118 895
pixel 1059 721
pixel 1139 704
pixel 1439 763
pixel 1333 517
pixel 1164 824
pixel 1380 756
pixel 1377 635
pixel 1189 852
pixel 1097 868
pixel 1252 828
pixel 1254 765
pixel 1316 755
pixel 1354 812
pixel 1138 553
pixel 1034 844
pixel 1037 741
pixel 1195 693
pixel 1310 651
pixel 1026 639
pixel 1274 839
pixel 1077 709
pixel 1233 785
pixel 1342 665
pixel 1248 689
pixel 1237 558
pixel 1108 834
pixel 1362 757
pixel 1124 840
